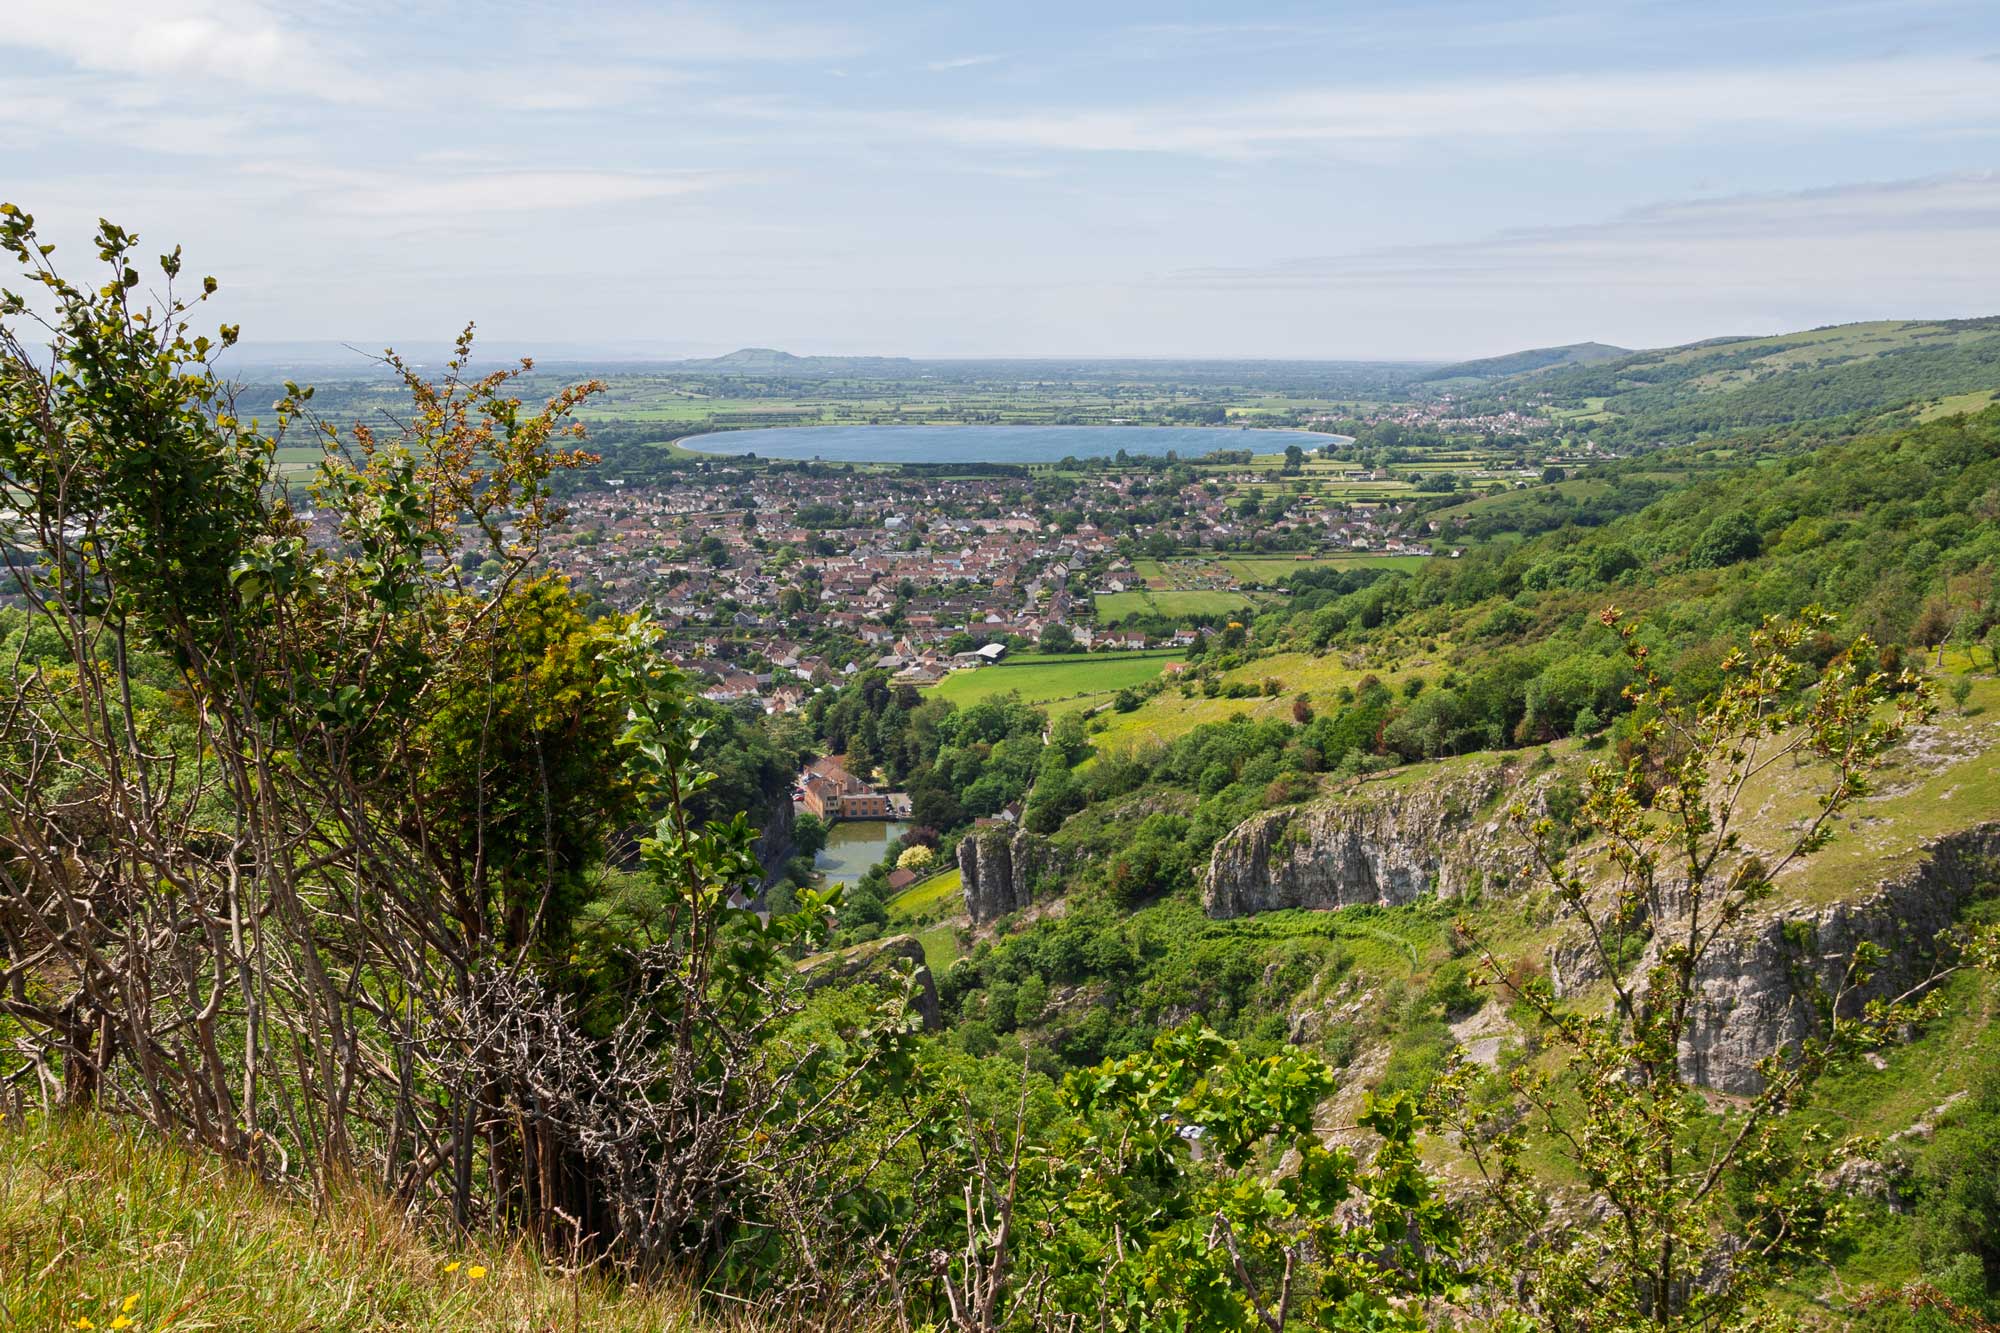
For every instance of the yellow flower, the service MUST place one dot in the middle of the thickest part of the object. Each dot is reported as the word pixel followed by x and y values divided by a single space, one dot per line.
pixel 83 1321
pixel 476 1272
pixel 121 1322
pixel 130 1301
pixel 451 1267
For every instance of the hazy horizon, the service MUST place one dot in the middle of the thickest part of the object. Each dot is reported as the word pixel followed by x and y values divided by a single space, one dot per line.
pixel 1252 181
pixel 335 351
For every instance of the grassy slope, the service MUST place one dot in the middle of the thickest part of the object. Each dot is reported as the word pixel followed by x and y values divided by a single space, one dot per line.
pixel 930 911
pixel 919 900
pixel 1953 783
pixel 1168 715
pixel 1916 1083
pixel 91 1217
pixel 1575 488
pixel 1954 404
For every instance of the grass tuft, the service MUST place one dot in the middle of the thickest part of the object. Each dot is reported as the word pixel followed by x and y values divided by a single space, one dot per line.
pixel 100 1225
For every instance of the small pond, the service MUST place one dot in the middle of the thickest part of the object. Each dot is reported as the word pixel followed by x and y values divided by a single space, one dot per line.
pixel 853 845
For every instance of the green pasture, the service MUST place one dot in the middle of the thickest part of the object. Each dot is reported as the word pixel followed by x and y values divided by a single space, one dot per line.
pixel 1064 681
pixel 297 462
pixel 1115 606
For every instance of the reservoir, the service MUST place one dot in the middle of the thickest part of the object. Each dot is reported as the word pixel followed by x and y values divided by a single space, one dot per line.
pixel 853 845
pixel 995 444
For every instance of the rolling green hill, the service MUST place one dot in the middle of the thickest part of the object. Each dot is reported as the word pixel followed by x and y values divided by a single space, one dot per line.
pixel 1846 376
pixel 1534 361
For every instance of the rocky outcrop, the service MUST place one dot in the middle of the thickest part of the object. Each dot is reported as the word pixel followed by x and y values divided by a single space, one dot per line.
pixel 880 960
pixel 774 842
pixel 1380 844
pixel 1753 993
pixel 1001 867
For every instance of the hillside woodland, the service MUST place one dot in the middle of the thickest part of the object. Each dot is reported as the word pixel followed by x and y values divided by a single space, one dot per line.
pixel 1601 941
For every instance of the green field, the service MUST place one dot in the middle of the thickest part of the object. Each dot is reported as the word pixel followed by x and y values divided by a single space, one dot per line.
pixel 1272 568
pixel 298 462
pixel 1063 682
pixel 1115 606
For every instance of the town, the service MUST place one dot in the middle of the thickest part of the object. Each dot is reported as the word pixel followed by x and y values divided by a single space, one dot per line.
pixel 772 580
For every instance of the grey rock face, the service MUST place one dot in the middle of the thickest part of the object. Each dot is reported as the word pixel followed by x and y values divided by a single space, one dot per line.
pixel 774 843
pixel 1000 867
pixel 1752 1001
pixel 876 960
pixel 1381 845
pixel 1756 983
pixel 1391 844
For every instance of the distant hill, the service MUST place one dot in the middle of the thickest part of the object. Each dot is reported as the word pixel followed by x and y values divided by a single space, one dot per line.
pixel 1846 374
pixel 771 361
pixel 750 356
pixel 1532 361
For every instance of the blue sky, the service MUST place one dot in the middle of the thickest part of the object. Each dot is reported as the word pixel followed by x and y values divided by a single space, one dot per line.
pixel 1324 180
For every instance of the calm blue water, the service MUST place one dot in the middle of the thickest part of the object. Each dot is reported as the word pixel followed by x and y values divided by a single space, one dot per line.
pixel 993 444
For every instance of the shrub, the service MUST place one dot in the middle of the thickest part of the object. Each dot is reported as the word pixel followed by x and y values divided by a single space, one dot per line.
pixel 1452 990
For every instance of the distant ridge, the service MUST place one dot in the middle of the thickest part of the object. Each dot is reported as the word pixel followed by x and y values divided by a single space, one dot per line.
pixel 1528 362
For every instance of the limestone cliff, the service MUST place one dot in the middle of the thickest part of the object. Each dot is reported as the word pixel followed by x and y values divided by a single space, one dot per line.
pixel 774 843
pixel 1380 843
pixel 880 960
pixel 1751 1000
pixel 1001 866
pixel 1390 843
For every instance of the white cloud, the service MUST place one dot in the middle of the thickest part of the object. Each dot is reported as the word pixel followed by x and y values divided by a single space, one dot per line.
pixel 456 196
pixel 64 111
pixel 1672 272
pixel 960 62
pixel 1676 105
pixel 1946 227
pixel 228 41
pixel 692 34
pixel 380 55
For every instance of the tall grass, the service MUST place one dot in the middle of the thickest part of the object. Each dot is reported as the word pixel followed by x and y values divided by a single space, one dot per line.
pixel 99 1226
